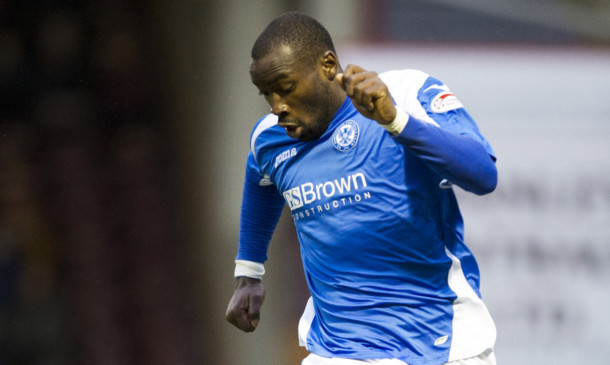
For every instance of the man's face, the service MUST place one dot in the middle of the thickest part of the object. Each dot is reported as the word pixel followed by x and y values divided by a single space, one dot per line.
pixel 296 90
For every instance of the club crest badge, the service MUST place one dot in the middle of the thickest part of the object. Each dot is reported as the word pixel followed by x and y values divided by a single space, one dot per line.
pixel 346 136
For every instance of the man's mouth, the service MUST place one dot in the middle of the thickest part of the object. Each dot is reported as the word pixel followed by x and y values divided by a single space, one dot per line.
pixel 291 129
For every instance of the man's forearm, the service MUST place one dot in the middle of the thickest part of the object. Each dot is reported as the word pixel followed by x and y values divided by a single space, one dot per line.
pixel 456 157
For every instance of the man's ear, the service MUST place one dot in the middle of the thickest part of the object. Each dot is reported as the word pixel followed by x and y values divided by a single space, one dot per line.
pixel 330 65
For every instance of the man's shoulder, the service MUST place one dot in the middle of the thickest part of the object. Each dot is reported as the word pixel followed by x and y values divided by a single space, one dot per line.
pixel 263 124
pixel 266 132
pixel 405 86
pixel 406 78
pixel 405 72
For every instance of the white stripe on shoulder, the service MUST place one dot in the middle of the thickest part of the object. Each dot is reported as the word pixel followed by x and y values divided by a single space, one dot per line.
pixel 440 87
pixel 269 121
pixel 404 85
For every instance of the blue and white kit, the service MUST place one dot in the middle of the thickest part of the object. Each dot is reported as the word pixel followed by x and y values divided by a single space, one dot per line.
pixel 380 230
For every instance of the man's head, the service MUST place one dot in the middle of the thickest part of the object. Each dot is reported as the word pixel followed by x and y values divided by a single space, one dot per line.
pixel 294 65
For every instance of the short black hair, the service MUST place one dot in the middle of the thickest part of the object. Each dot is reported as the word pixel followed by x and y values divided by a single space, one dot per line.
pixel 302 33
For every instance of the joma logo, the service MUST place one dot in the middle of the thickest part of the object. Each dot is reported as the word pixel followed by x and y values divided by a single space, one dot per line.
pixel 284 156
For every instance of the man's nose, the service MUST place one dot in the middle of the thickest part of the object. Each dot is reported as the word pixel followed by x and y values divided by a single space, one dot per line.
pixel 278 105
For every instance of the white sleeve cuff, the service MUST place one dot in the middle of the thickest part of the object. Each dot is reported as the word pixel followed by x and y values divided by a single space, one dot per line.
pixel 249 269
pixel 398 124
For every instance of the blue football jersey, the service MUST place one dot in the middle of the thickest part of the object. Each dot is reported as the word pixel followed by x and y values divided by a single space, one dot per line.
pixel 379 226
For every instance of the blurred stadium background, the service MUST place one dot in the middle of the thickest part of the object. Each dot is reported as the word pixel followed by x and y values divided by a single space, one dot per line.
pixel 124 127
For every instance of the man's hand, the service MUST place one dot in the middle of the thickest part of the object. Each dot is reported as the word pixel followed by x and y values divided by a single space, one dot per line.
pixel 244 308
pixel 369 94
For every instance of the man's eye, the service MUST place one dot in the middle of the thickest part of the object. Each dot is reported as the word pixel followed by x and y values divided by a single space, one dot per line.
pixel 289 89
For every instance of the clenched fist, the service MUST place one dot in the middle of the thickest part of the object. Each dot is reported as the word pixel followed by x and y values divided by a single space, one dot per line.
pixel 369 94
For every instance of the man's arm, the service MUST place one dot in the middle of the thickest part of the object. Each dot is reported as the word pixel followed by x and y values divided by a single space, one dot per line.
pixel 261 207
pixel 260 211
pixel 456 157
pixel 460 159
